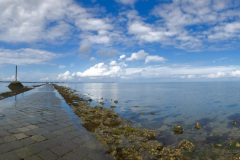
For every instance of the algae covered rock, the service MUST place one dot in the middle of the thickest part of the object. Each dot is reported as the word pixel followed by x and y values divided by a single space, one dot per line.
pixel 197 126
pixel 186 146
pixel 178 129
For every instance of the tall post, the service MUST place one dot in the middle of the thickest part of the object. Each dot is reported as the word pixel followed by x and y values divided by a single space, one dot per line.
pixel 16 74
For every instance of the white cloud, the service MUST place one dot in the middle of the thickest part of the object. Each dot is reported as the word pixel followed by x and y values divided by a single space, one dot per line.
pixel 122 71
pixel 113 63
pixel 65 76
pixel 140 55
pixel 126 2
pixel 215 75
pixel 122 57
pixel 189 25
pixel 235 73
pixel 24 21
pixel 26 56
pixel 99 70
pixel 154 59
pixel 46 20
pixel 137 56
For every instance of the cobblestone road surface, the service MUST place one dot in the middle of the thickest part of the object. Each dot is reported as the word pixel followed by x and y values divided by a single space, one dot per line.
pixel 39 125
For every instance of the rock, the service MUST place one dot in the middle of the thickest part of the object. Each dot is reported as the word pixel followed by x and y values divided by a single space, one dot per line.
pixel 237 145
pixel 152 113
pixel 102 103
pixel 113 106
pixel 197 126
pixel 186 145
pixel 234 122
pixel 90 100
pixel 178 129
pixel 218 145
pixel 115 101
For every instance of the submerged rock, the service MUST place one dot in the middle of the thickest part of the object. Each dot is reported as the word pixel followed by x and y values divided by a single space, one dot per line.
pixel 234 122
pixel 218 145
pixel 113 106
pixel 197 126
pixel 90 100
pixel 152 113
pixel 237 145
pixel 115 101
pixel 178 129
pixel 186 145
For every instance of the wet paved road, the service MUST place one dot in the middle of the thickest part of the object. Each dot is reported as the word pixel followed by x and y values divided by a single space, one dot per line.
pixel 39 125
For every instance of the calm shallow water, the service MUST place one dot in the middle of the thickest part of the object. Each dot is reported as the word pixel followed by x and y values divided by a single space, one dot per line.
pixel 213 104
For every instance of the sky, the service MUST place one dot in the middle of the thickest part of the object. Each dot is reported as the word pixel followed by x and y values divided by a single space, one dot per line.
pixel 120 40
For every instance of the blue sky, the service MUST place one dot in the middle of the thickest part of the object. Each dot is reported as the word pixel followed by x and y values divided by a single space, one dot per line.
pixel 120 40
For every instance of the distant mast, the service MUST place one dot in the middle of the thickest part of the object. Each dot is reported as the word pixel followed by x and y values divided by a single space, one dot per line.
pixel 16 74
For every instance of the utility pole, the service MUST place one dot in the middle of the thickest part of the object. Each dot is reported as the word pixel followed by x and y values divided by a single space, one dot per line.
pixel 16 74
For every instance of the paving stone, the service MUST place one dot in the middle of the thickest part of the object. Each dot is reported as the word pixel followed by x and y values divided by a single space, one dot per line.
pixel 5 148
pixel 23 129
pixel 20 136
pixel 9 138
pixel 34 157
pixel 15 145
pixel 72 156
pixel 14 131
pixel 24 152
pixel 48 155
pixel 4 133
pixel 60 150
pixel 27 141
pixel 1 141
pixel 9 156
pixel 38 138
pixel 38 147
pixel 32 126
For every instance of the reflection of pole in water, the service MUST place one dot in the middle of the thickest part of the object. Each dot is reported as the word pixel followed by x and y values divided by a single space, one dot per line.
pixel 16 74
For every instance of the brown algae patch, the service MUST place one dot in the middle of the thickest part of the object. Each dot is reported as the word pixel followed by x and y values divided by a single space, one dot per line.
pixel 120 139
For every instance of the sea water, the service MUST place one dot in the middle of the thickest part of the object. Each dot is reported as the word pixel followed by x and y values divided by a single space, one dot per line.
pixel 160 106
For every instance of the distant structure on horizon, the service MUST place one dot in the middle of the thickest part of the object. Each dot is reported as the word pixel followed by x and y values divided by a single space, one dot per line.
pixel 15 84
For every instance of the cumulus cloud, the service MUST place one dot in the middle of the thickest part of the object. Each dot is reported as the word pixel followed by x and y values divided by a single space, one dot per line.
pixel 26 56
pixel 137 56
pixel 140 55
pixel 122 57
pixel 65 76
pixel 215 75
pixel 102 70
pixel 154 59
pixel 235 73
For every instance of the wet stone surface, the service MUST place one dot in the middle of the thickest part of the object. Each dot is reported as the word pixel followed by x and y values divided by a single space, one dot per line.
pixel 40 126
